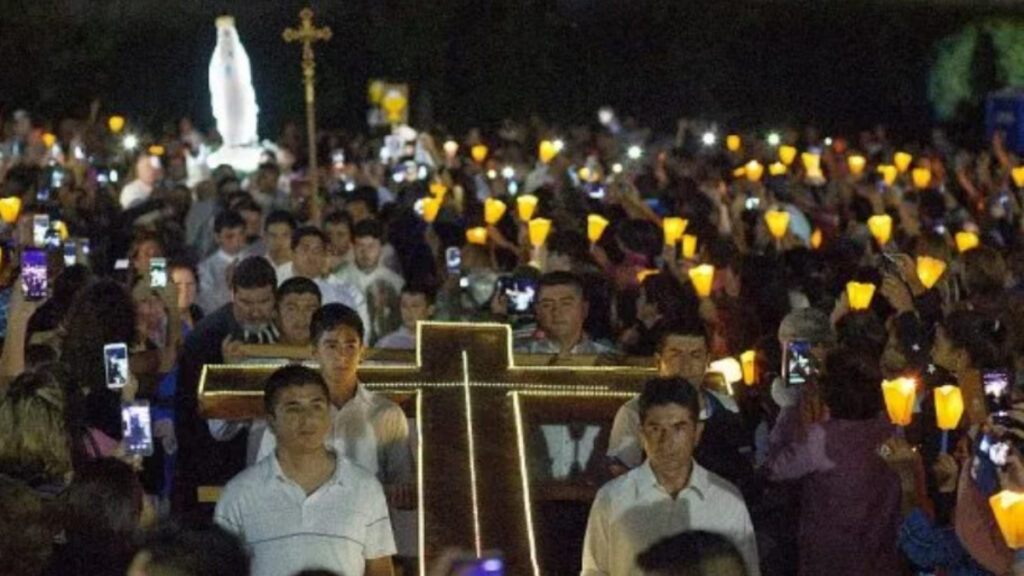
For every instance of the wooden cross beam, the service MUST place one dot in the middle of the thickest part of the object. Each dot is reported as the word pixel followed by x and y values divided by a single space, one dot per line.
pixel 470 401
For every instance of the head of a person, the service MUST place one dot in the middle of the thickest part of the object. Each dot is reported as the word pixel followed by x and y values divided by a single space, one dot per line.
pixel 66 286
pixel 862 330
pixel 362 203
pixel 277 233
pixel 252 292
pixel 267 176
pixel 26 529
pixel 252 215
pixel 172 550
pixel 416 303
pixel 35 446
pixel 670 423
pixel 336 333
pixel 149 307
pixel 663 298
pixel 101 313
pixel 561 306
pixel 297 403
pixel 808 325
pixel 309 252
pixel 229 228
pixel 852 378
pixel 568 250
pixel 368 239
pixel 985 271
pixel 147 169
pixel 966 340
pixel 682 351
pixel 696 553
pixel 338 226
pixel 104 509
pixel 145 246
pixel 298 299
pixel 185 279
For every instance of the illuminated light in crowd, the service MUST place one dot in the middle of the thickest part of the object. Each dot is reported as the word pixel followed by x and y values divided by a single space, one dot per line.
pixel 61 228
pixel 438 189
pixel 773 139
pixel 398 177
pixel 811 162
pixel 131 142
pixel 787 154
pixel 644 274
pixel 429 208
pixel 526 204
pixel 777 169
pixel 494 209
pixel 1008 508
pixel 116 124
pixel 673 227
pixel 451 148
pixel 966 240
pixel 479 153
pixel 1018 176
pixel 349 186
pixel 929 270
pixel 888 172
pixel 595 227
pixel 617 168
pixel 754 171
pixel 881 228
pixel 856 163
pixel 634 152
pixel 859 295
pixel 708 138
pixel 739 172
pixel 156 150
pixel 899 399
pixel 538 231
pixel 513 187
pixel 778 223
pixel 49 139
pixel 816 238
pixel 492 174
pixel 605 115
pixel 921 177
pixel 559 145
pixel 10 209
pixel 702 277
pixel 828 141
pixel 949 407
pixel 585 174
pixel 477 235
pixel 902 161
pixel 546 151
pixel 689 246
pixel 733 142
pixel 421 173
pixel 748 360
pixel 508 172
pixel 729 368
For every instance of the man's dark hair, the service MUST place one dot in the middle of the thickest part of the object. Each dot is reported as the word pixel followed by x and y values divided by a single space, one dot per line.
pixel 331 317
pixel 280 217
pixel 298 285
pixel 420 288
pixel 690 329
pixel 101 511
pixel 228 219
pixel 254 272
pixel 338 217
pixel 561 278
pixel 291 376
pixel 664 391
pixel 685 554
pixel 367 195
pixel 368 228
pixel 269 167
pixel 247 204
pixel 202 551
pixel 305 231
pixel 852 379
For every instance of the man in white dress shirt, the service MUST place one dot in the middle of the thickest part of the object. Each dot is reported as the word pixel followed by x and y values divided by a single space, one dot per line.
pixel 214 284
pixel 306 506
pixel 668 494
pixel 416 304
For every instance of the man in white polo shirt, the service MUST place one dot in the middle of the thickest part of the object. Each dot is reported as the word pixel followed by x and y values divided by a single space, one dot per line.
pixel 667 494
pixel 306 506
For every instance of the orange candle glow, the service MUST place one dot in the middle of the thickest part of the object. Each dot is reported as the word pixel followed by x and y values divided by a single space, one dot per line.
pixel 702 277
pixel 595 227
pixel 929 270
pixel 881 228
pixel 438 189
pixel 494 209
pixel 966 240
pixel 733 142
pixel 856 164
pixel 816 238
pixel 477 235
pixel 921 177
pixel 10 209
pixel 1018 176
pixel 902 161
pixel 539 229
pixel 116 124
pixel 754 171
pixel 431 206
pixel 1008 509
pixel 889 173
pixel 689 246
pixel 859 295
pixel 778 223
pixel 479 153
pixel 777 169
pixel 547 151
pixel 787 154
pixel 949 407
pixel 673 227
pixel 526 205
pixel 899 399
pixel 643 274
pixel 749 361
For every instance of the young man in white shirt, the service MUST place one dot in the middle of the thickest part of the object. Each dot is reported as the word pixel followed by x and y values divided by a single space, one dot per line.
pixel 306 506
pixel 416 304
pixel 277 235
pixel 214 284
pixel 379 284
pixel 668 494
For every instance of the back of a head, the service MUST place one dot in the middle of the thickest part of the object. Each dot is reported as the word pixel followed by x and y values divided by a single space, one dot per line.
pixel 640 236
pixel 985 271
pixel 852 384
pixel 252 273
pixel 675 302
pixel 203 551
pixel 984 338
pixel 695 553
pixel 102 510
pixel 862 330
pixel 35 446
pixel 331 317
pixel 26 530
pixel 808 324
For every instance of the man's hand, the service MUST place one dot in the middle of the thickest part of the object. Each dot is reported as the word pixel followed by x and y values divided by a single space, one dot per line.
pixel 946 471
pixel 902 458
pixel 232 351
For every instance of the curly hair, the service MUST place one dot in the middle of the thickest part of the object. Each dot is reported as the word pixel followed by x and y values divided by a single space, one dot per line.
pixel 35 446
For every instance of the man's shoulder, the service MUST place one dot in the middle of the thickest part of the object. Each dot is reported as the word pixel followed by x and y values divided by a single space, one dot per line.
pixel 719 490
pixel 252 480
pixel 215 326
pixel 381 404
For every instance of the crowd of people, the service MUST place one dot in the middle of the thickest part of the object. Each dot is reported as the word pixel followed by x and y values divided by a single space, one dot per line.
pixel 607 241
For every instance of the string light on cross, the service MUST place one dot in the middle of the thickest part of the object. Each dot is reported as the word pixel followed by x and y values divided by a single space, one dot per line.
pixel 307 34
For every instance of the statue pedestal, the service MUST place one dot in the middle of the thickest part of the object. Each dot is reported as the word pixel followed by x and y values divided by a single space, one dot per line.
pixel 242 158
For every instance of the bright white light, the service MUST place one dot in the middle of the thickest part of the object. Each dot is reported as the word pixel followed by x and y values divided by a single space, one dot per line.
pixel 605 115
pixel 492 174
pixel 513 187
pixel 131 142
pixel 508 172
pixel 774 139
pixel 350 186
pixel 398 176
pixel 559 145
pixel 828 141
pixel 729 368
pixel 113 176
pixel 451 147
pixel 617 168
pixel 422 173
pixel 635 152
pixel 708 138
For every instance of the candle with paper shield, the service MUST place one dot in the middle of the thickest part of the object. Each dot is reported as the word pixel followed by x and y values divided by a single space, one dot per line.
pixel 689 246
pixel 62 229
pixel 889 173
pixel 673 227
pixel 733 142
pixel 949 407
pixel 902 161
pixel 116 124
pixel 787 154
pixel 546 151
pixel 929 270
pixel 856 164
pixel 595 227
pixel 778 223
pixel 10 209
pixel 812 163
pixel 494 209
pixel 49 139
pixel 1018 176
pixel 431 206
pixel 703 278
pixel 899 399
pixel 754 171
pixel 777 169
pixel 526 205
pixel 1008 509
pixel 748 360
pixel 155 150
pixel 730 370
pixel 643 274
pixel 966 240
pixel 859 295
pixel 539 229
pixel 477 235
pixel 881 228
pixel 451 148
pixel 479 153
pixel 921 177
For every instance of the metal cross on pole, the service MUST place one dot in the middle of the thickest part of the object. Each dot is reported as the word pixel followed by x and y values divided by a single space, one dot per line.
pixel 307 34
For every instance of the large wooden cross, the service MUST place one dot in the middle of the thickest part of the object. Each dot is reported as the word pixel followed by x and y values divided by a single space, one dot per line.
pixel 473 409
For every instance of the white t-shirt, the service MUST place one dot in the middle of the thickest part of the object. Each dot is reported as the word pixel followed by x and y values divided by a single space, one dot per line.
pixel 135 192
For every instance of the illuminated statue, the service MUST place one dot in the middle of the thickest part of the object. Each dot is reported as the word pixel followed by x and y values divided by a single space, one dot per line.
pixel 231 91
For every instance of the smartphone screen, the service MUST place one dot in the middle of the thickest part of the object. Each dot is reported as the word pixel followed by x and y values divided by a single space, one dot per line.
pixel 996 385
pixel 453 259
pixel 33 274
pixel 138 429
pixel 798 363
pixel 157 272
pixel 40 229
pixel 520 293
pixel 115 362
pixel 490 566
pixel 70 253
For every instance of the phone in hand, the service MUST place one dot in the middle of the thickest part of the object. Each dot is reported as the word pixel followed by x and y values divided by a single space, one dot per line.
pixel 799 366
pixel 34 277
pixel 157 272
pixel 70 253
pixel 491 564
pixel 115 363
pixel 520 292
pixel 136 423
pixel 453 259
pixel 996 386
pixel 40 229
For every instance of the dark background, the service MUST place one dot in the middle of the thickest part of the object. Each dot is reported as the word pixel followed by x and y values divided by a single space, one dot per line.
pixel 842 65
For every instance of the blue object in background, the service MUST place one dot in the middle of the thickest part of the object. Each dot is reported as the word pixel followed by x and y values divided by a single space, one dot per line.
pixel 1004 110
